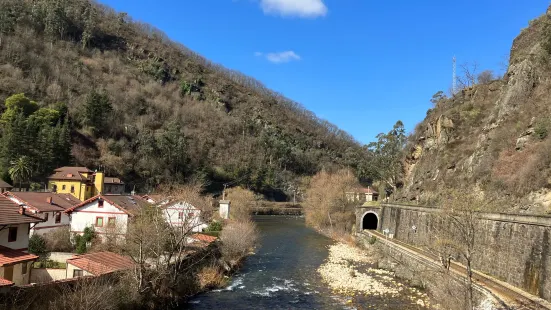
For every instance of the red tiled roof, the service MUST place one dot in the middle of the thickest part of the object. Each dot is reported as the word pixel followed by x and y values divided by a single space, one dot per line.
pixel 10 256
pixel 101 262
pixel 39 201
pixel 129 204
pixel 4 282
pixel 368 190
pixel 204 238
pixel 9 213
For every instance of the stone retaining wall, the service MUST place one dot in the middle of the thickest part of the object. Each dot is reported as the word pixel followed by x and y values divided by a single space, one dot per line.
pixel 514 248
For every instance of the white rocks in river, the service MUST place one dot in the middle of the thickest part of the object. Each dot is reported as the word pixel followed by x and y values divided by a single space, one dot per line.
pixel 340 274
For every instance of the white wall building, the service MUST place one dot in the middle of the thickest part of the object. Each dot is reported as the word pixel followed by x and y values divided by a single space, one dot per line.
pixel 182 214
pixel 108 214
pixel 48 206
pixel 15 224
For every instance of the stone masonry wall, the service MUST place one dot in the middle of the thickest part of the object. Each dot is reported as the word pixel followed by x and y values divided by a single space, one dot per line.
pixel 512 248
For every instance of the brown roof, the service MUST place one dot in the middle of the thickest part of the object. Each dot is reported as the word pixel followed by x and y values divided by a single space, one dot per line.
pixel 101 262
pixel 70 173
pixel 9 256
pixel 9 213
pixel 155 197
pixel 204 238
pixel 4 184
pixel 127 203
pixel 39 201
pixel 112 180
pixel 4 282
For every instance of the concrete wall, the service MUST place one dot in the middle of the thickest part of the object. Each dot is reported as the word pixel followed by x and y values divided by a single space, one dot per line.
pixel 61 257
pixel 72 268
pixel 512 248
pixel 43 275
pixel 22 241
pixel 18 277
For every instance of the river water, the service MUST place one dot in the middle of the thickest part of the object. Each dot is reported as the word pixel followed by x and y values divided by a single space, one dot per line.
pixel 282 274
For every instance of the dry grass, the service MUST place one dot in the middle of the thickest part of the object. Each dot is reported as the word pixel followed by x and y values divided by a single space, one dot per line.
pixel 210 277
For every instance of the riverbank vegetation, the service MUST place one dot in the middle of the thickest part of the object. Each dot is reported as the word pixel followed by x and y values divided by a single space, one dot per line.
pixel 170 263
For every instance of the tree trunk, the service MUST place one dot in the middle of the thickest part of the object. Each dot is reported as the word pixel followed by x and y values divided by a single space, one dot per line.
pixel 470 297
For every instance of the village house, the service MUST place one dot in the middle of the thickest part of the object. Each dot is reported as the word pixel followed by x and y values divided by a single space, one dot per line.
pixel 108 214
pixel 362 195
pixel 15 263
pixel 4 186
pixel 180 214
pixel 48 206
pixel 82 182
pixel 113 186
pixel 97 264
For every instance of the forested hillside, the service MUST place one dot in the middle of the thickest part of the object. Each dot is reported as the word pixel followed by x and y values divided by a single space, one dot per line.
pixel 492 137
pixel 145 108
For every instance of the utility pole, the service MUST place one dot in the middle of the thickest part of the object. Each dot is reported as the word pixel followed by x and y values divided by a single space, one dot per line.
pixel 454 78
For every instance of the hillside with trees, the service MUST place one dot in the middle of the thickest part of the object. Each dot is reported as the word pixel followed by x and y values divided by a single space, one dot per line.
pixel 492 136
pixel 85 85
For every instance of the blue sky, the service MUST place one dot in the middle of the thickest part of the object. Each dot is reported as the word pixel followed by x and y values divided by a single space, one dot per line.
pixel 361 64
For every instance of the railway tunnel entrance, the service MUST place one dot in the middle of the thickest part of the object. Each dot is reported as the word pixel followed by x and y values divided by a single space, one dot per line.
pixel 370 221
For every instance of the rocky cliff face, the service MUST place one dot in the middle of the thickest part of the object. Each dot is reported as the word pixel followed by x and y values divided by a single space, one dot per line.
pixel 491 138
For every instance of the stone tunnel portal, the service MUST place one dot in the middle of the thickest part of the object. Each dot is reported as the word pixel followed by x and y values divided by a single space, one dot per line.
pixel 370 221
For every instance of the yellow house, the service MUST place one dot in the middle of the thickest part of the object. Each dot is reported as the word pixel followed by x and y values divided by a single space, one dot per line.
pixel 80 182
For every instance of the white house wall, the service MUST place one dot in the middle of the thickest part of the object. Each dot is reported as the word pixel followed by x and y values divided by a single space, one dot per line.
pixel 86 215
pixel 22 241
pixel 71 268
pixel 191 218
pixel 49 225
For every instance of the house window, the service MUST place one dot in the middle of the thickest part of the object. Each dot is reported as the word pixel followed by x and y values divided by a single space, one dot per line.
pixel 24 268
pixel 99 221
pixel 180 215
pixel 63 187
pixel 72 188
pixel 46 216
pixel 54 188
pixel 58 217
pixel 111 221
pixel 77 273
pixel 12 234
pixel 100 203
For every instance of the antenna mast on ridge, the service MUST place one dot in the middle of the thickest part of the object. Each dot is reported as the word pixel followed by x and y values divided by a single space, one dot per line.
pixel 454 81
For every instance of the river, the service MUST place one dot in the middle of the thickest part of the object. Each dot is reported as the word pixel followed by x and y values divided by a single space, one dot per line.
pixel 283 274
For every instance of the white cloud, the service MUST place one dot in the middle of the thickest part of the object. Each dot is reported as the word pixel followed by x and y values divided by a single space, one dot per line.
pixel 281 57
pixel 301 8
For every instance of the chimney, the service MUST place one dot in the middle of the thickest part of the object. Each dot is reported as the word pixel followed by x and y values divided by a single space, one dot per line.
pixel 49 200
pixel 21 210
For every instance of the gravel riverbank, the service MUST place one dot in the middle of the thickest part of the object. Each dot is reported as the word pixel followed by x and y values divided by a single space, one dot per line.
pixel 351 272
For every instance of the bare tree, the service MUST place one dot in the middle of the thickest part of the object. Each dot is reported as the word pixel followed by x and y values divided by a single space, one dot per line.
pixel 469 75
pixel 457 234
pixel 485 77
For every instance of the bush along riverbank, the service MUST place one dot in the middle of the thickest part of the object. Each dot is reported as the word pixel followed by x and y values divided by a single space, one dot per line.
pixel 353 274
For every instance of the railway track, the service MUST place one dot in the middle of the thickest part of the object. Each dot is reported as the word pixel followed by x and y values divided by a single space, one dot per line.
pixel 510 296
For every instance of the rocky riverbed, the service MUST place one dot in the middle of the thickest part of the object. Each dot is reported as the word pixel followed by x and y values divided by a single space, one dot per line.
pixel 352 273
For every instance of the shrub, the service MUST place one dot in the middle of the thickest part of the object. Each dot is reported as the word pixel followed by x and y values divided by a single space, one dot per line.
pixel 541 130
pixel 214 226
pixel 59 240
pixel 238 239
pixel 372 240
pixel 242 202
pixel 83 240
pixel 37 246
